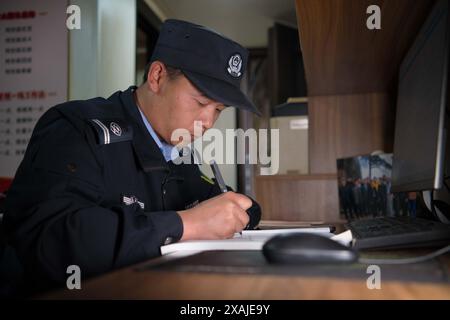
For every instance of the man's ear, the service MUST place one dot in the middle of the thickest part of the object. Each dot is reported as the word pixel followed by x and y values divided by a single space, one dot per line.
pixel 156 75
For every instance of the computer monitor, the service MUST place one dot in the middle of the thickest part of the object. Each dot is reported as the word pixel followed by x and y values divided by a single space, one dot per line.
pixel 420 128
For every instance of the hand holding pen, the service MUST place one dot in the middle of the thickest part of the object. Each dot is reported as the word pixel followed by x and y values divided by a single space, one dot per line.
pixel 254 212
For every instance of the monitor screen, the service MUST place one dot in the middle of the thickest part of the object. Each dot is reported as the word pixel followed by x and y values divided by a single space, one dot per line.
pixel 422 96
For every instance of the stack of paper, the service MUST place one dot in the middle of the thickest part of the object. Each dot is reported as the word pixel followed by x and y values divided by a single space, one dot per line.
pixel 247 240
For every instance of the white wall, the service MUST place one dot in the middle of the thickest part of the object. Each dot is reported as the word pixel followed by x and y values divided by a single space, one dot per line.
pixel 103 51
pixel 83 52
pixel 117 30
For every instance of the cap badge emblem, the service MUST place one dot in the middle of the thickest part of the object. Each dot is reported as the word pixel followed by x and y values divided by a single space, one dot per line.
pixel 235 65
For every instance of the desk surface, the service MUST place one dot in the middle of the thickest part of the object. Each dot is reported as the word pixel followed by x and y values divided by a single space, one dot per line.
pixel 129 283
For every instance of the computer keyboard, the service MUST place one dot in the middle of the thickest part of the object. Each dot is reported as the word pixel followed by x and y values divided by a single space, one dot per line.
pixel 398 232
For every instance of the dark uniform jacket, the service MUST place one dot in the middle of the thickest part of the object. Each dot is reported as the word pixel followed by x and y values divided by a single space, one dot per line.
pixel 94 190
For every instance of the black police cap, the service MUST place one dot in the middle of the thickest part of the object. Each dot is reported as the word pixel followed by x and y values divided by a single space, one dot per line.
pixel 212 62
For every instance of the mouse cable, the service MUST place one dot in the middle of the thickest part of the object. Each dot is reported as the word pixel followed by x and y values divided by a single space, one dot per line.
pixel 406 260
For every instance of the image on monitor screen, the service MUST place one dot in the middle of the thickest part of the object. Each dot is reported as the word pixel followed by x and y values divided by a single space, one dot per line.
pixel 365 189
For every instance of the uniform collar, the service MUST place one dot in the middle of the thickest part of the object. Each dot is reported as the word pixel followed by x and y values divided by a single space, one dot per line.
pixel 166 149
pixel 145 147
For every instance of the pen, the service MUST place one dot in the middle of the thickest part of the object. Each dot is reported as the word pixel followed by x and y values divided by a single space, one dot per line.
pixel 218 176
pixel 222 186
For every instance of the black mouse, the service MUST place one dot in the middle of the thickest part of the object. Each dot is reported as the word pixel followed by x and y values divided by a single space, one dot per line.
pixel 306 248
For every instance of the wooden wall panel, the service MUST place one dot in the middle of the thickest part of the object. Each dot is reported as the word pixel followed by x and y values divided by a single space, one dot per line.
pixel 298 197
pixel 348 125
pixel 342 56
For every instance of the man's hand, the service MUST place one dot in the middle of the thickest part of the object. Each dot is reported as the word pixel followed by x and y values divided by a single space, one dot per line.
pixel 216 218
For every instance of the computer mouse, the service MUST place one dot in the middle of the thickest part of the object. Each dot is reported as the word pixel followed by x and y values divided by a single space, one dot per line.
pixel 306 248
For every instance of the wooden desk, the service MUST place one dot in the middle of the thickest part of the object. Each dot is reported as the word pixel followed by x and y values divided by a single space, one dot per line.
pixel 150 284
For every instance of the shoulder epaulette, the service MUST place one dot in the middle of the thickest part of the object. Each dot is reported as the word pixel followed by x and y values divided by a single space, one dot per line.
pixel 111 130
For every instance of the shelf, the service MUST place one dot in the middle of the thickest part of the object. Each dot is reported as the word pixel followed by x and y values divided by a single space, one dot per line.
pixel 308 177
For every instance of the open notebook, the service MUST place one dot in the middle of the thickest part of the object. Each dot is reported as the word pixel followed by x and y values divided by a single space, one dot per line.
pixel 247 240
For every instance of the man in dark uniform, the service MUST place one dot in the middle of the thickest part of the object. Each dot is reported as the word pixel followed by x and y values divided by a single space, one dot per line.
pixel 98 187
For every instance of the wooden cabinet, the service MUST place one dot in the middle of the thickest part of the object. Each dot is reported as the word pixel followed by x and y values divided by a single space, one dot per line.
pixel 348 125
pixel 298 197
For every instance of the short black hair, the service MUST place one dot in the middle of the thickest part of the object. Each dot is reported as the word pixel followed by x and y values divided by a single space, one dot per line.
pixel 171 71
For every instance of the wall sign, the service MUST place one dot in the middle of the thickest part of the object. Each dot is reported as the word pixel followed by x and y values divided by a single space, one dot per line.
pixel 33 71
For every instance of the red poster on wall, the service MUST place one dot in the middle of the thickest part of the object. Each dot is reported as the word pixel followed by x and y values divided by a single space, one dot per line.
pixel 33 72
